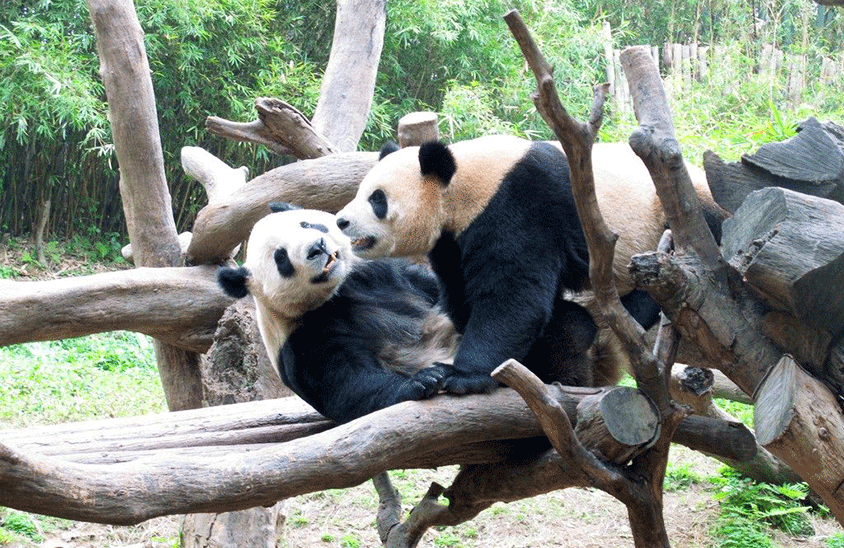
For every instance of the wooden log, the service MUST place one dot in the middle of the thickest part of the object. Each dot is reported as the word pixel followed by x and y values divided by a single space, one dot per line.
pixel 165 464
pixel 417 128
pixel 280 127
pixel 811 162
pixel 178 305
pixel 809 345
pixel 789 248
pixel 792 407
pixel 617 424
pixel 326 183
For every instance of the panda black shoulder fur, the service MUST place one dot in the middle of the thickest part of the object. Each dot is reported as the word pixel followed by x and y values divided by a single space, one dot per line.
pixel 348 336
pixel 496 217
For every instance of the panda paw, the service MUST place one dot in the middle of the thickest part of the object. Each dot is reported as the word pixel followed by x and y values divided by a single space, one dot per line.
pixel 427 382
pixel 463 383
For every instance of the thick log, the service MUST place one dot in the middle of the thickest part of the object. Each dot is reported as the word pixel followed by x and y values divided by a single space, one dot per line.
pixel 617 424
pixel 178 305
pixel 229 457
pixel 417 128
pixel 789 247
pixel 326 183
pixel 812 162
pixel 792 407
pixel 145 194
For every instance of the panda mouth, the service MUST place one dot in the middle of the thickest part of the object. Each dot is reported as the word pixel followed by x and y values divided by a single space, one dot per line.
pixel 329 267
pixel 363 244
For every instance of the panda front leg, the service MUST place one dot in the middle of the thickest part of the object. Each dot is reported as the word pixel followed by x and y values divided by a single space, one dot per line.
pixel 353 389
pixel 500 327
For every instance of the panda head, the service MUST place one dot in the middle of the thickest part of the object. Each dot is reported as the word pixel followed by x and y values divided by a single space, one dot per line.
pixel 295 260
pixel 399 207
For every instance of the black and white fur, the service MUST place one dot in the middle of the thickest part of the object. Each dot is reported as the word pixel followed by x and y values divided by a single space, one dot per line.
pixel 496 217
pixel 348 336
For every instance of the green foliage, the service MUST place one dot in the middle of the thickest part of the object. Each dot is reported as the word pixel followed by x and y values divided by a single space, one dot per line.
pixel 835 541
pixel 20 524
pixel 747 508
pixel 103 375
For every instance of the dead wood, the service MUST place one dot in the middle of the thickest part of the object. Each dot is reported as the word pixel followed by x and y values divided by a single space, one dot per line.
pixel 695 387
pixel 348 84
pixel 811 162
pixel 792 407
pixel 417 128
pixel 241 455
pixel 178 305
pixel 280 127
pixel 639 486
pixel 326 183
pixel 789 248
pixel 711 307
pixel 143 186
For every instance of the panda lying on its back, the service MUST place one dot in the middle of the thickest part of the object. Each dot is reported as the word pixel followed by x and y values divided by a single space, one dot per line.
pixel 496 217
pixel 348 336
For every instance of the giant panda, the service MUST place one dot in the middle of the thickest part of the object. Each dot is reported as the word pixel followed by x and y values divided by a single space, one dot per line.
pixel 497 219
pixel 346 335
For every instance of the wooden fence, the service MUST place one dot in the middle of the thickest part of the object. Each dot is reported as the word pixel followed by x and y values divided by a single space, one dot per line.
pixel 682 64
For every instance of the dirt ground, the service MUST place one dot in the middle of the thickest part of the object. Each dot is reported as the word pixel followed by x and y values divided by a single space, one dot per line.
pixel 570 518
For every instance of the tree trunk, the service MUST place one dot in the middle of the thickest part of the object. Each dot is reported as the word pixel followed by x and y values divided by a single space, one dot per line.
pixel 348 84
pixel 237 369
pixel 143 187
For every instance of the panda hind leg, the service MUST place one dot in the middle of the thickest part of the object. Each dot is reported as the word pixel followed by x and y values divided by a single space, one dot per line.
pixel 564 351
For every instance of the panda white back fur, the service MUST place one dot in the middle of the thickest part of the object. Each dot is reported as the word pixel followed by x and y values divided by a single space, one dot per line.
pixel 497 219
pixel 348 336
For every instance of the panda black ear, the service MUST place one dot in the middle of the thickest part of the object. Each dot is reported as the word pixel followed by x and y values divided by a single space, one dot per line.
pixel 388 148
pixel 436 159
pixel 233 281
pixel 275 207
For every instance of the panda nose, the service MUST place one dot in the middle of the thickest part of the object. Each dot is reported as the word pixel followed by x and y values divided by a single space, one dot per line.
pixel 342 224
pixel 317 249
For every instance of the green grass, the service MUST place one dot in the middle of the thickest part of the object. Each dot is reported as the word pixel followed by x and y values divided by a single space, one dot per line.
pixel 98 376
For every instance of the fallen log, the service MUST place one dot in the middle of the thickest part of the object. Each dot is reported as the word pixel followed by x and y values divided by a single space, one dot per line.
pixel 180 306
pixel 811 162
pixel 230 457
pixel 789 249
pixel 326 183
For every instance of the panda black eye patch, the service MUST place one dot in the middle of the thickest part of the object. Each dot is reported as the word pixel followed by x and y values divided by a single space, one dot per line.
pixel 321 228
pixel 282 262
pixel 378 201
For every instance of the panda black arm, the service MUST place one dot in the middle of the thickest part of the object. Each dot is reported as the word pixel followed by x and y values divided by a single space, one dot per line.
pixel 342 378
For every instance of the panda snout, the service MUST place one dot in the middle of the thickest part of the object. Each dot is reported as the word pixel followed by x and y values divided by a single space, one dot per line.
pixel 318 248
pixel 342 223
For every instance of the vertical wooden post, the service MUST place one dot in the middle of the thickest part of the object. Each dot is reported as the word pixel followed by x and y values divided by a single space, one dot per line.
pixel 143 186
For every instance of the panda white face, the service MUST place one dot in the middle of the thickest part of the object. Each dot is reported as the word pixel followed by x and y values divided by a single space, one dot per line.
pixel 296 260
pixel 397 211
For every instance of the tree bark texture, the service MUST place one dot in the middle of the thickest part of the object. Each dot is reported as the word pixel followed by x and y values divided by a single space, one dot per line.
pixel 178 305
pixel 233 457
pixel 348 84
pixel 789 247
pixel 326 183
pixel 793 407
pixel 710 305
pixel 811 162
pixel 280 127
pixel 143 187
